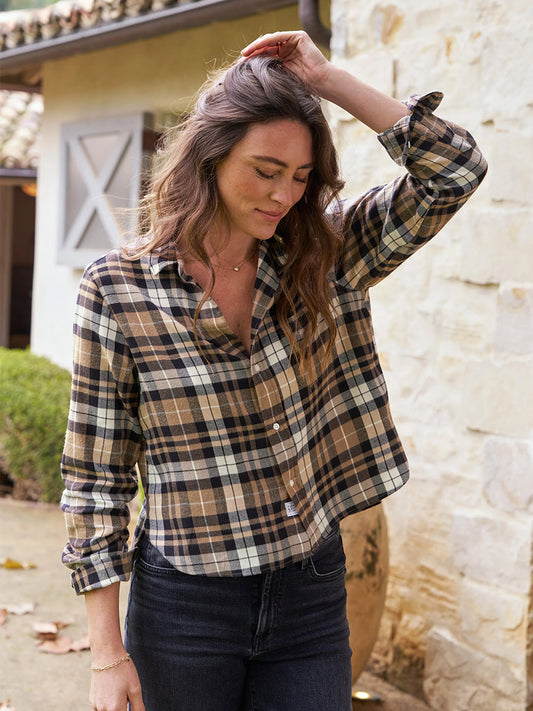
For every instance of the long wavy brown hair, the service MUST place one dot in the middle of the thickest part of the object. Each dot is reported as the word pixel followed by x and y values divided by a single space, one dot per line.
pixel 183 201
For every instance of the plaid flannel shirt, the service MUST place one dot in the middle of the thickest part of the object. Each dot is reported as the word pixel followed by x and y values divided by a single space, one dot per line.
pixel 245 466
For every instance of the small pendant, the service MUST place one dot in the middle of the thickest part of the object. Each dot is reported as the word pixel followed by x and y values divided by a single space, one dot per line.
pixel 235 269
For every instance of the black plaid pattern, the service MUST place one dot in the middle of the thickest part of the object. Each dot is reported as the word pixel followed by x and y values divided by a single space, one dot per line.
pixel 225 440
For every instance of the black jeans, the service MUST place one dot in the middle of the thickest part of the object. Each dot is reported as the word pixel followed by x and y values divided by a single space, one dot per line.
pixel 271 642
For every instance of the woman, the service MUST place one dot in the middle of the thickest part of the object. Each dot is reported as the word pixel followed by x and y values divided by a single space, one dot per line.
pixel 229 354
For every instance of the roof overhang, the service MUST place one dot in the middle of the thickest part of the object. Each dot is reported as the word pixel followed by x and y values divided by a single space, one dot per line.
pixel 19 66
pixel 15 176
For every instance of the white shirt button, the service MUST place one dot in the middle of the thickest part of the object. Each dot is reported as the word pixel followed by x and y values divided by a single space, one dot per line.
pixel 276 426
pixel 291 483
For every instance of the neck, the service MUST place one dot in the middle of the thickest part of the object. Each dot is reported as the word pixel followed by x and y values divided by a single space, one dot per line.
pixel 230 254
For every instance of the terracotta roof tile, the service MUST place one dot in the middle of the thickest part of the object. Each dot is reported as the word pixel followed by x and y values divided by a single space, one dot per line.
pixel 20 122
pixel 22 27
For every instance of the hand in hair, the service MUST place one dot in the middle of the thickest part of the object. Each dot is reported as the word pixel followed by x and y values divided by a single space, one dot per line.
pixel 299 54
pixel 296 50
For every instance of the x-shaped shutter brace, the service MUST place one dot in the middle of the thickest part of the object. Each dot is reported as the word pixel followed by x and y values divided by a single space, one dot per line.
pixel 101 173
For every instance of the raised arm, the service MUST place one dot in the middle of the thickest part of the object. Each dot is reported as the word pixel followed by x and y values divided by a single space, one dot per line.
pixel 299 54
pixel 443 165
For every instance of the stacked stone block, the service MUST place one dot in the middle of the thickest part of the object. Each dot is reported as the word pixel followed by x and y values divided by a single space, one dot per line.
pixel 454 327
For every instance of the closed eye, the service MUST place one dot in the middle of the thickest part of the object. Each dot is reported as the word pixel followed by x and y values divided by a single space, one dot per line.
pixel 268 176
pixel 264 175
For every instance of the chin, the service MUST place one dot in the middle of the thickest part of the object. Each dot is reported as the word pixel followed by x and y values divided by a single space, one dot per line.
pixel 262 234
pixel 266 237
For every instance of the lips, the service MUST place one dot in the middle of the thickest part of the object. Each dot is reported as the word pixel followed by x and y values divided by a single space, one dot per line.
pixel 270 216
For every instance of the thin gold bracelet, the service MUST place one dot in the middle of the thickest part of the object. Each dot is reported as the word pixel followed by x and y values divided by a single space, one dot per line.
pixel 110 666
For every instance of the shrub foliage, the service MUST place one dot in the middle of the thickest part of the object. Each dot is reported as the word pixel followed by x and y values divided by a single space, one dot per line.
pixel 34 402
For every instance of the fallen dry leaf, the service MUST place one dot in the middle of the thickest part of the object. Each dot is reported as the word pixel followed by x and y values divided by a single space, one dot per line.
pixel 80 645
pixel 3 615
pixel 49 630
pixel 11 564
pixel 50 641
pixel 45 630
pixel 61 625
pixel 59 645
pixel 23 608
pixel 64 645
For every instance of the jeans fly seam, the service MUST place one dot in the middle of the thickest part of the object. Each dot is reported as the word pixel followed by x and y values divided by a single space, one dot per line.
pixel 262 622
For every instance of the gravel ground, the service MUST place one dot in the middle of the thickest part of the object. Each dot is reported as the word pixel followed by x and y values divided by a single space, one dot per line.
pixel 34 681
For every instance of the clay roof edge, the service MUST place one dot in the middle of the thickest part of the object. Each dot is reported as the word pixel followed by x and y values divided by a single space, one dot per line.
pixel 130 29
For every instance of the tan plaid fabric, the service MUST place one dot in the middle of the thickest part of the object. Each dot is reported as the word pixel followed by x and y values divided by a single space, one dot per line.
pixel 245 467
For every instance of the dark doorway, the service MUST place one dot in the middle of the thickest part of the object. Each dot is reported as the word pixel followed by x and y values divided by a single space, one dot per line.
pixel 23 242
pixel 18 241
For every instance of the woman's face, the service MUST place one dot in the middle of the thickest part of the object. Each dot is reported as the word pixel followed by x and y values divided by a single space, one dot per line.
pixel 264 175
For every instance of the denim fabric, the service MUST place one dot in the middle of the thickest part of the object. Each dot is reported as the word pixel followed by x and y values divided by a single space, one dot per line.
pixel 277 641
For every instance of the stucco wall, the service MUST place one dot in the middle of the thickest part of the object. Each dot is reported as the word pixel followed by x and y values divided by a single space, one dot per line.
pixel 158 76
pixel 454 327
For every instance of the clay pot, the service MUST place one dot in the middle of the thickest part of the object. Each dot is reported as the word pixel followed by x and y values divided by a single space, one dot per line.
pixel 366 545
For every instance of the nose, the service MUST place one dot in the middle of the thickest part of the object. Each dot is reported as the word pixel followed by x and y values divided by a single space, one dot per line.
pixel 283 194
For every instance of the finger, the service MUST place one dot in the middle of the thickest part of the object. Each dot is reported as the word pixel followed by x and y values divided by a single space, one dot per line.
pixel 136 700
pixel 267 51
pixel 269 42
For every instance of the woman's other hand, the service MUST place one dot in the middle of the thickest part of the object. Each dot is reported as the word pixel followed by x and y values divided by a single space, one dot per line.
pixel 298 53
pixel 112 689
pixel 117 682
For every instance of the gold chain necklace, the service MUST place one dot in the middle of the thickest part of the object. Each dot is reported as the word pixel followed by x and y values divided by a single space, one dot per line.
pixel 240 264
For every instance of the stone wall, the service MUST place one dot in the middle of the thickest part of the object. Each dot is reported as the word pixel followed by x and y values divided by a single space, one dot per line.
pixel 454 327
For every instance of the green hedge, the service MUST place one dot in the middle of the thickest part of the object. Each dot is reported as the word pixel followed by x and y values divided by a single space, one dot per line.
pixel 34 402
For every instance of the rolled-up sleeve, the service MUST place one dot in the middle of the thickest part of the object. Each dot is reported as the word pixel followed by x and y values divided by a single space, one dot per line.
pixel 444 166
pixel 102 446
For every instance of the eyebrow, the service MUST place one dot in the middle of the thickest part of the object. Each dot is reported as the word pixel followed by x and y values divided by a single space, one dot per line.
pixel 276 161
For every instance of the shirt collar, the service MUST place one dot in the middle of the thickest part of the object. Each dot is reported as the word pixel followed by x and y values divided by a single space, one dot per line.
pixel 157 262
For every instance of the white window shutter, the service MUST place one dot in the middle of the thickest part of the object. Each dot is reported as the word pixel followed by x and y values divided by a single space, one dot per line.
pixel 101 175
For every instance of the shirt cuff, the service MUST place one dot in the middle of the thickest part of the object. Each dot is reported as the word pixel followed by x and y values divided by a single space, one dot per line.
pixel 99 573
pixel 396 139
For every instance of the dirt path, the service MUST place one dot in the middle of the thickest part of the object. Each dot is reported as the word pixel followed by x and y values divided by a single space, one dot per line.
pixel 34 681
